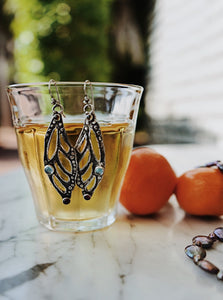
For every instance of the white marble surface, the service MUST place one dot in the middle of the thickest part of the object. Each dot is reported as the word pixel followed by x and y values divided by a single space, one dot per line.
pixel 135 258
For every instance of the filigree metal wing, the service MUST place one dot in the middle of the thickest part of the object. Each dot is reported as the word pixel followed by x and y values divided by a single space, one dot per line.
pixel 90 157
pixel 60 158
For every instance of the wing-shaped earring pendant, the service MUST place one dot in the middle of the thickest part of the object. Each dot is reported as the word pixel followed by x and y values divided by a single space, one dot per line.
pixel 59 158
pixel 90 165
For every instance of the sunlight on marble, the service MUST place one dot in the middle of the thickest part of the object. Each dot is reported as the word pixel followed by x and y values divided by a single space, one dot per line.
pixel 135 258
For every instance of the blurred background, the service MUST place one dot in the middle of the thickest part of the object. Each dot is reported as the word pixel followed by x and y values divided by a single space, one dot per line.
pixel 174 49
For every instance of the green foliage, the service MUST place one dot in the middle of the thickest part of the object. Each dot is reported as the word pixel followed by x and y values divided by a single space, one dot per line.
pixel 61 40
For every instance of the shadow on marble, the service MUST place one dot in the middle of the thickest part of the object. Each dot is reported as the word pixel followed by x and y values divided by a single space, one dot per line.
pixel 166 216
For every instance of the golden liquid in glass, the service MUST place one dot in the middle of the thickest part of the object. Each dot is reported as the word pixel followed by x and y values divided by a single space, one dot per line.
pixel 118 139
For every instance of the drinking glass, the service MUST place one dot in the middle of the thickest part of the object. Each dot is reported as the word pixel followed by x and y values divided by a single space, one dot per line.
pixel 115 106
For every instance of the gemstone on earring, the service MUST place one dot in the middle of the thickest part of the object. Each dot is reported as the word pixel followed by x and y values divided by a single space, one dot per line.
pixel 99 170
pixel 49 170
pixel 87 196
pixel 66 201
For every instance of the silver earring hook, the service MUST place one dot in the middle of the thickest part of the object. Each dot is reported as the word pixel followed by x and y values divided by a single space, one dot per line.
pixel 88 106
pixel 56 102
pixel 87 82
pixel 52 81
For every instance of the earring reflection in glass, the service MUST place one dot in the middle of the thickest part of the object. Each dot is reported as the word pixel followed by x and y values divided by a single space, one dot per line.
pixel 67 166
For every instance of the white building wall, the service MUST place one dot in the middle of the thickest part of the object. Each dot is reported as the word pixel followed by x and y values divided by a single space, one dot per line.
pixel 186 60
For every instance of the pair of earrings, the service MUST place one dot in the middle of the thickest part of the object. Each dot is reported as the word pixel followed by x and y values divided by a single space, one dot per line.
pixel 67 166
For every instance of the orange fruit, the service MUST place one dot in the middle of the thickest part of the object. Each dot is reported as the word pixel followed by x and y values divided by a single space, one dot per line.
pixel 148 183
pixel 200 192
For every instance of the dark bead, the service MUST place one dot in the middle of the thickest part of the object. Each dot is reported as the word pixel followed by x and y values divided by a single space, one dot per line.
pixel 57 116
pixel 203 241
pixel 208 266
pixel 212 236
pixel 219 233
pixel 87 196
pixel 194 250
pixel 66 201
pixel 211 164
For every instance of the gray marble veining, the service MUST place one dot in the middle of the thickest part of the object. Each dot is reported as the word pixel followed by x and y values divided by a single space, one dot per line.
pixel 135 258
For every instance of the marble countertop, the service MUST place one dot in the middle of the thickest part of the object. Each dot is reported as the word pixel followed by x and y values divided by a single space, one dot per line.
pixel 135 258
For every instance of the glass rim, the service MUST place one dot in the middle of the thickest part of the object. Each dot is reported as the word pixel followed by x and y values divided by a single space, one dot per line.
pixel 136 88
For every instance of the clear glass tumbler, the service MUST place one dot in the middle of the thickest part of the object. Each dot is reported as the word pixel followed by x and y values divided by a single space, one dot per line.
pixel 116 107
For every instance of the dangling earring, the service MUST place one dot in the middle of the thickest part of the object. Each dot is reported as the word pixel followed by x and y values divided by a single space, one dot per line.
pixel 84 141
pixel 64 176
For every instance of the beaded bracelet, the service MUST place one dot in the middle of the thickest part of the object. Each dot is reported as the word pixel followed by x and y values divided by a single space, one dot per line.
pixel 197 252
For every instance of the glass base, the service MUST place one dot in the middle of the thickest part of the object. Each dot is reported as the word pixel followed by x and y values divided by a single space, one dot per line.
pixel 78 226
